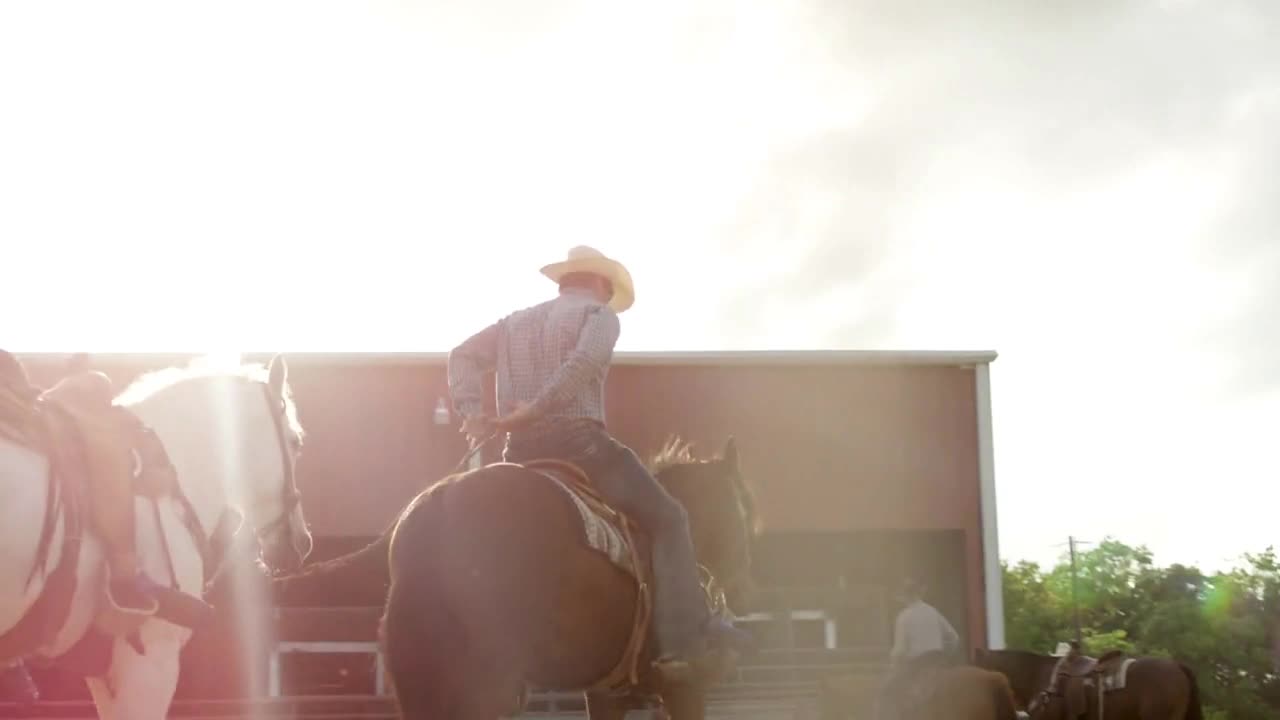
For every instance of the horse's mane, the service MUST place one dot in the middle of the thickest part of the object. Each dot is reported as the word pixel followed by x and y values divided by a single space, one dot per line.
pixel 676 451
pixel 150 384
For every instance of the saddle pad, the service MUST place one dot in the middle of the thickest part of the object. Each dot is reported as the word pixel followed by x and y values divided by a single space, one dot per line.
pixel 600 534
pixel 1116 677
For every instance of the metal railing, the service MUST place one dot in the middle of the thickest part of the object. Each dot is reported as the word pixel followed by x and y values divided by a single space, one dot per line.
pixel 284 648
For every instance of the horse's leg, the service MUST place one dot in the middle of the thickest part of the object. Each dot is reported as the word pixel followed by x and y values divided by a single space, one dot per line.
pixel 685 701
pixel 494 686
pixel 606 707
pixel 138 687
pixel 418 636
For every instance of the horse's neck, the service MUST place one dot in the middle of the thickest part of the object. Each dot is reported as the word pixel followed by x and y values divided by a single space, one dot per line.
pixel 702 516
pixel 1027 672
pixel 1042 671
pixel 193 441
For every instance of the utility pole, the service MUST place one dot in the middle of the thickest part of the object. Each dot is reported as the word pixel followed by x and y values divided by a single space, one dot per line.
pixel 1075 602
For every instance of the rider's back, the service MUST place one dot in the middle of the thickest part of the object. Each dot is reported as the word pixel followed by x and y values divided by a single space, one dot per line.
pixel 537 346
pixel 922 629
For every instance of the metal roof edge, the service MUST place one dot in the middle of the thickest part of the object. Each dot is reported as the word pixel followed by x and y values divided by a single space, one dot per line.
pixel 810 357
pixel 682 357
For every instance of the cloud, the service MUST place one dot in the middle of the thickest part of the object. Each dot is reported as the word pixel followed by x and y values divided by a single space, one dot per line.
pixel 1092 106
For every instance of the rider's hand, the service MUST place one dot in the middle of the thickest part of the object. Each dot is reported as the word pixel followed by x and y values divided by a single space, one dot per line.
pixel 477 427
pixel 521 416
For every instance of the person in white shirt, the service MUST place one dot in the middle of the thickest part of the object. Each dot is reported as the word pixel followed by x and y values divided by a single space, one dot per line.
pixel 920 628
pixel 919 631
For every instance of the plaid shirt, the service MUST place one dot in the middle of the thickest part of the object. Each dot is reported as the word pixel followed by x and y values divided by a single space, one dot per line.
pixel 554 355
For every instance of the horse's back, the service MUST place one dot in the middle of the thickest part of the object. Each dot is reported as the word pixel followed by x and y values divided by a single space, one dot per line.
pixel 501 511
pixel 1161 682
pixel 502 545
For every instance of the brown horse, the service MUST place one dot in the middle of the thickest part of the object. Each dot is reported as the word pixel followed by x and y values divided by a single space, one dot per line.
pixel 962 692
pixel 1154 688
pixel 493 590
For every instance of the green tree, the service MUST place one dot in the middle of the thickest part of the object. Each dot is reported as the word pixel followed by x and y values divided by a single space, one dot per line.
pixel 1033 615
pixel 1107 580
pixel 1222 626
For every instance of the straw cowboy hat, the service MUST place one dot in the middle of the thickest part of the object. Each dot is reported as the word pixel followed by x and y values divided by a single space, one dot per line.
pixel 584 259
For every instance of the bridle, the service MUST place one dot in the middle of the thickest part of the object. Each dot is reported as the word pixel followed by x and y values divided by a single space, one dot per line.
pixel 1043 695
pixel 212 546
pixel 291 496
pixel 1039 700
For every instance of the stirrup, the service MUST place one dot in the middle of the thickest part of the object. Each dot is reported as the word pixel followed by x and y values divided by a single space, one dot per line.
pixel 118 619
pixel 151 608
pixel 181 608
pixel 673 671
pixel 710 663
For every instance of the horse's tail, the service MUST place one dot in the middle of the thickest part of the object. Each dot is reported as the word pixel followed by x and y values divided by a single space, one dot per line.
pixel 1194 710
pixel 421 639
pixel 357 579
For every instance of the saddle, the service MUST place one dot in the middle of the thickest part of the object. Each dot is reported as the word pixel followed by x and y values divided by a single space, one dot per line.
pixel 101 457
pixel 1076 674
pixel 27 419
pixel 611 533
pixel 614 535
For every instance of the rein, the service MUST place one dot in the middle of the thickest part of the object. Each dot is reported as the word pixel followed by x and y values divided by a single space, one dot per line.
pixel 462 464
pixel 290 495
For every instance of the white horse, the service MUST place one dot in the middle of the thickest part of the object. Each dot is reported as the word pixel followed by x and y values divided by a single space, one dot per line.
pixel 233 437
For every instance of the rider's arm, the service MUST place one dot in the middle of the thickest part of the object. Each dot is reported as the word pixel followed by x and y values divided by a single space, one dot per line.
pixel 592 354
pixel 468 364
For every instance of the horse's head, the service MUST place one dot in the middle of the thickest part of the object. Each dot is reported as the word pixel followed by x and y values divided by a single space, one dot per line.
pixel 721 509
pixel 234 438
pixel 275 504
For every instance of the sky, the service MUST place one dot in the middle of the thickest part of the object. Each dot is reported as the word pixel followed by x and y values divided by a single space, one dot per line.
pixel 1087 188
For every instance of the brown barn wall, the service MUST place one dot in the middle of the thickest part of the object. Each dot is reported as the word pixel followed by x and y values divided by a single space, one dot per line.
pixel 827 448
pixel 838 448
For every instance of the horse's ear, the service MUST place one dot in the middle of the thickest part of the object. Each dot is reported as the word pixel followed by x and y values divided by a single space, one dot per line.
pixel 730 453
pixel 277 374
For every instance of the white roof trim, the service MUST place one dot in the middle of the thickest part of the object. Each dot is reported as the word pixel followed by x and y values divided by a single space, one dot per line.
pixel 809 357
pixel 712 358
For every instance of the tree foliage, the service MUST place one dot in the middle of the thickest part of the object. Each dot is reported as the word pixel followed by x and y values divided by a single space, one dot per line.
pixel 1225 626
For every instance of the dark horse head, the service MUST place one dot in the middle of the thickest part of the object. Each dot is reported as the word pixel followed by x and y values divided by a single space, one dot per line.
pixel 723 519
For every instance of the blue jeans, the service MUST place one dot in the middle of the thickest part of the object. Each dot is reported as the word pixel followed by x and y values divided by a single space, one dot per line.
pixel 679 606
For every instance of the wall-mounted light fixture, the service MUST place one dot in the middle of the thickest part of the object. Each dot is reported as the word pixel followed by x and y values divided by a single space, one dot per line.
pixel 442 416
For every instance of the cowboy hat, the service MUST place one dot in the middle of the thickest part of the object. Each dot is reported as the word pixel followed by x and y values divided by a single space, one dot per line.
pixel 584 259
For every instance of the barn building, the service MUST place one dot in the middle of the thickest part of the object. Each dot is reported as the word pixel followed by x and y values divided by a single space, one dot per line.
pixel 867 465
